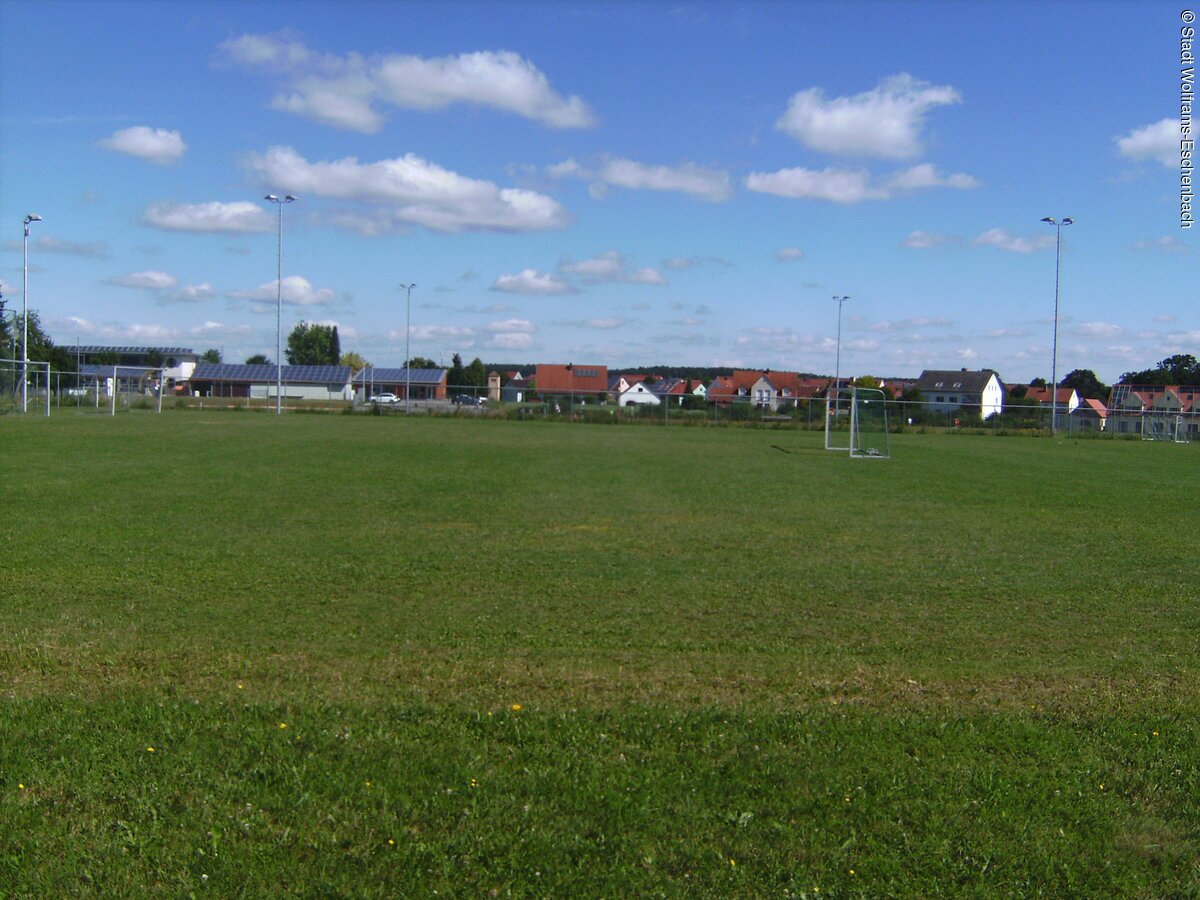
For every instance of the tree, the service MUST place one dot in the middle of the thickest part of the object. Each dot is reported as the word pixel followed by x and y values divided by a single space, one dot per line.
pixel 353 360
pixel 41 348
pixel 1086 384
pixel 1182 368
pixel 475 374
pixel 211 355
pixel 421 362
pixel 311 344
pixel 258 359
pixel 155 359
pixel 457 375
pixel 1038 382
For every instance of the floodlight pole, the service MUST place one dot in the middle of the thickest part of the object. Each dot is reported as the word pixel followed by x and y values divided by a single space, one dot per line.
pixel 278 201
pixel 407 338
pixel 1067 220
pixel 32 217
pixel 837 363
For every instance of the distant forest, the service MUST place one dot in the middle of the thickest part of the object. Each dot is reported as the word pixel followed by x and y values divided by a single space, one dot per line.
pixel 692 373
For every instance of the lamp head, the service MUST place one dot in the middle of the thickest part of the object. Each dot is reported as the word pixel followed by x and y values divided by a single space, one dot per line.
pixel 289 199
pixel 272 198
pixel 32 217
pixel 1050 220
pixel 1068 221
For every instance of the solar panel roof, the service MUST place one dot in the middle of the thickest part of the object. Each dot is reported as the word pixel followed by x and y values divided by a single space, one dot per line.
pixel 266 373
pixel 108 348
pixel 396 376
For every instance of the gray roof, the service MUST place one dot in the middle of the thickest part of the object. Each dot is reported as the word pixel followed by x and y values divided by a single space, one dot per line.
pixel 96 370
pixel 972 382
pixel 265 374
pixel 399 376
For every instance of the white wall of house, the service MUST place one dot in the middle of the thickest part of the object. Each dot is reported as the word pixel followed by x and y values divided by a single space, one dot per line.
pixel 639 395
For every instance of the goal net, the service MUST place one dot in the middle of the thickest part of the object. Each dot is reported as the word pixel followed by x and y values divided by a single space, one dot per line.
pixel 838 401
pixel 136 386
pixel 1159 426
pixel 868 424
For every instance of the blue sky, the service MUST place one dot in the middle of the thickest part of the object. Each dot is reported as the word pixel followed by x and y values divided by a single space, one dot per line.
pixel 626 184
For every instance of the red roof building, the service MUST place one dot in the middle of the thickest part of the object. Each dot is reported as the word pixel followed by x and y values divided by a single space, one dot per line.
pixel 571 379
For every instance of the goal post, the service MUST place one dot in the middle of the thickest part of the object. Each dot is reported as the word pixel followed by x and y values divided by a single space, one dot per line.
pixel 868 424
pixel 15 375
pixel 141 380
pixel 838 405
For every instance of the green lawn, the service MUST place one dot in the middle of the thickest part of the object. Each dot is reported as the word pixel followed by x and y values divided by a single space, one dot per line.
pixel 574 660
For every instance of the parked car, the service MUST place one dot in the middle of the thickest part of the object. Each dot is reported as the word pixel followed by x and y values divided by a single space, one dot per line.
pixel 385 398
pixel 466 400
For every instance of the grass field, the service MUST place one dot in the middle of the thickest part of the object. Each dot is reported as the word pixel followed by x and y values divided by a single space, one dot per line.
pixel 360 656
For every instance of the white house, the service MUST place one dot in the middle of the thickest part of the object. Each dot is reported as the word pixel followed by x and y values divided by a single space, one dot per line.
pixel 638 394
pixel 946 391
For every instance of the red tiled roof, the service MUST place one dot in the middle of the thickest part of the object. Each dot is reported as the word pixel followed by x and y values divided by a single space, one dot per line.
pixel 569 378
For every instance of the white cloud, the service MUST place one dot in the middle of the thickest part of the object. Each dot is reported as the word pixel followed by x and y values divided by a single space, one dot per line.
pixel 1170 244
pixel 851 185
pixel 611 267
pixel 925 176
pixel 192 293
pixel 1001 239
pixel 966 354
pixel 885 121
pixel 679 263
pixel 523 326
pixel 344 91
pixel 788 254
pixel 502 80
pixel 1099 330
pixel 296 291
pixel 48 244
pixel 923 240
pixel 529 281
pixel 419 192
pixel 686 178
pixel 1165 317
pixel 607 323
pixel 457 333
pixel 1159 141
pixel 1007 332
pixel 906 324
pixel 154 145
pixel 150 280
pixel 713 185
pixel 240 217
pixel 511 341
pixel 836 185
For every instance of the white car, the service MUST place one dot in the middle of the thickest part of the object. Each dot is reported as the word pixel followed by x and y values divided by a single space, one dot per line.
pixel 384 398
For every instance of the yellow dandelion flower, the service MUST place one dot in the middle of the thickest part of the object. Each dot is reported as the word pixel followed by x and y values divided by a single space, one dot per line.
pixel 283 724
pixel 20 787
pixel 149 749
pixel 391 842
pixel 241 686
pixel 732 862
pixel 516 707
pixel 1155 733
pixel 851 871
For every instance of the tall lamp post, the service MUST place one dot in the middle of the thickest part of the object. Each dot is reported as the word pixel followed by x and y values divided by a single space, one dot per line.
pixel 837 364
pixel 32 217
pixel 1067 220
pixel 280 202
pixel 407 337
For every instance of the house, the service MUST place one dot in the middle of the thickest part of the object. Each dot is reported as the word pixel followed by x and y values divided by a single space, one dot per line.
pixel 1089 415
pixel 178 362
pixel 671 389
pixel 639 394
pixel 571 381
pixel 1065 398
pixel 259 381
pixel 1127 404
pixel 516 389
pixel 764 388
pixel 721 391
pixel 426 384
pixel 948 390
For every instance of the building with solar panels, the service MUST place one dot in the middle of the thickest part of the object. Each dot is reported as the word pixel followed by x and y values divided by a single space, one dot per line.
pixel 426 384
pixel 259 381
pixel 179 362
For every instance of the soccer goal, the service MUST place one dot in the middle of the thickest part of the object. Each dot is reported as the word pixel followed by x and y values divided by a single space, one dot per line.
pixel 868 424
pixel 23 384
pixel 1159 427
pixel 838 403
pixel 129 382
